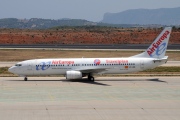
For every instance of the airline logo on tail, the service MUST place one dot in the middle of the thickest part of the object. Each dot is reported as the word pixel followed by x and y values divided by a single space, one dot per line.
pixel 157 46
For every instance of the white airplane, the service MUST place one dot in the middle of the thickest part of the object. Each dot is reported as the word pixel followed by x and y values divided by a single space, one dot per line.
pixel 77 68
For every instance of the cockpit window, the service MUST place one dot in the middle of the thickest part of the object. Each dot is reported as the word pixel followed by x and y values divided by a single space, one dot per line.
pixel 18 64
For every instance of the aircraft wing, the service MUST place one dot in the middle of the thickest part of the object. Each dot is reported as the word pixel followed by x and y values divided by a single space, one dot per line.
pixel 93 70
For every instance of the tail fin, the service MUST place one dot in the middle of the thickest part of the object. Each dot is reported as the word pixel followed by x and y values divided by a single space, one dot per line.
pixel 158 48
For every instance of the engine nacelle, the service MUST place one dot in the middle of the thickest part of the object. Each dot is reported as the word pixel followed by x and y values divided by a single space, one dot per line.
pixel 73 75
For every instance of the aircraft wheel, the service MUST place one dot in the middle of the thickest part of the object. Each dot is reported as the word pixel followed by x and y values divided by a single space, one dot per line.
pixel 91 78
pixel 25 79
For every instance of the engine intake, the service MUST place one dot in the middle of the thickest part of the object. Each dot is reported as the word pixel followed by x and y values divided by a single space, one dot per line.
pixel 73 75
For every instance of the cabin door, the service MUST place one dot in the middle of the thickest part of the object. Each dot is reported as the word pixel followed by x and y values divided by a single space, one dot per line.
pixel 29 68
pixel 142 64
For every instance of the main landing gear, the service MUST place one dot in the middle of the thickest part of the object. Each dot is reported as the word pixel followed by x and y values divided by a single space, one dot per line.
pixel 25 79
pixel 91 78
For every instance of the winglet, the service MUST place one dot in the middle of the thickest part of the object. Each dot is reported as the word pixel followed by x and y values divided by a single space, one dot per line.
pixel 158 48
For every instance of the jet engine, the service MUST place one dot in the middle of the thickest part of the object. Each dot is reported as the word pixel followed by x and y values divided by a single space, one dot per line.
pixel 73 75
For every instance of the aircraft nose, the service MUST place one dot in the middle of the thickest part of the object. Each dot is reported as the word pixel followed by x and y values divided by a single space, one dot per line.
pixel 11 69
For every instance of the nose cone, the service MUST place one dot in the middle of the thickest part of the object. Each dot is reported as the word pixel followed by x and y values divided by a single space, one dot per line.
pixel 11 69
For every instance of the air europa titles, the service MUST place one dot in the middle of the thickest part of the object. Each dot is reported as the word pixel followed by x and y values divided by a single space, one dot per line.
pixel 156 44
pixel 56 62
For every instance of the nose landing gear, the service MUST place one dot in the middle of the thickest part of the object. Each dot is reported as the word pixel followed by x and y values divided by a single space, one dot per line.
pixel 25 79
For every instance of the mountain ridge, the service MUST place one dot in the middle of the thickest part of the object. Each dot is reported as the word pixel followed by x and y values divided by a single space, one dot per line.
pixel 163 16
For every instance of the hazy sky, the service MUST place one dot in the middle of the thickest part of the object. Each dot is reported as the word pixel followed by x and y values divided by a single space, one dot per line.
pixel 92 10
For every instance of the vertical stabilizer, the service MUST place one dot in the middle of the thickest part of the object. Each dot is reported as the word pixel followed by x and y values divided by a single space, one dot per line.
pixel 158 48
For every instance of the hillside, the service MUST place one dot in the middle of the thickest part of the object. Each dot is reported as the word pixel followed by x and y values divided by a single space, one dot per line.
pixel 163 16
pixel 84 35
pixel 37 23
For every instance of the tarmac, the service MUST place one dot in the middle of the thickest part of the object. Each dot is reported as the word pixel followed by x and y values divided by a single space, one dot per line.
pixel 108 98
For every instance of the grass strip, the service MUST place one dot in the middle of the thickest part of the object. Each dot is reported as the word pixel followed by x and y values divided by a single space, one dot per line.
pixel 4 70
pixel 164 69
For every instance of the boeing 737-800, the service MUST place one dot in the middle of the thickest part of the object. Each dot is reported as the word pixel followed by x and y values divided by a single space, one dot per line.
pixel 77 68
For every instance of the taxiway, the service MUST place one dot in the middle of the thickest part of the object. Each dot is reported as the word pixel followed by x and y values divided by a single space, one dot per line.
pixel 108 98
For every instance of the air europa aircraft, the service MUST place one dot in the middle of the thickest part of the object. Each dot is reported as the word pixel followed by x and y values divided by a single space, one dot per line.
pixel 77 68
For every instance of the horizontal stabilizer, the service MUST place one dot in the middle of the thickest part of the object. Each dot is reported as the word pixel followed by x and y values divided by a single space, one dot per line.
pixel 161 59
